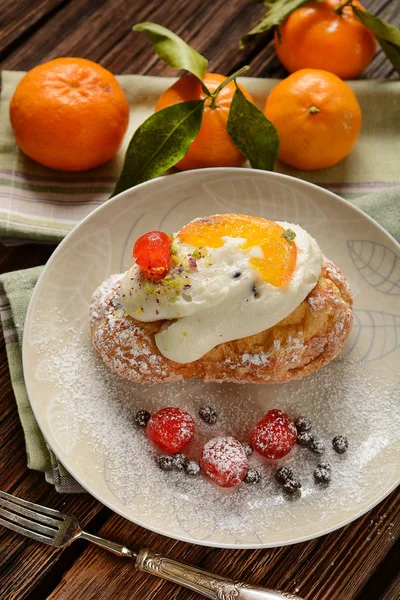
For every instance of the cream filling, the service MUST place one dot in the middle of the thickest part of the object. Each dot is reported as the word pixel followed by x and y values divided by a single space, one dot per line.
pixel 220 305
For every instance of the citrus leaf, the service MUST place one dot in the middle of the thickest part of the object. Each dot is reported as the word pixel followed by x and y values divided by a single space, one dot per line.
pixel 252 133
pixel 275 16
pixel 159 143
pixel 173 50
pixel 387 35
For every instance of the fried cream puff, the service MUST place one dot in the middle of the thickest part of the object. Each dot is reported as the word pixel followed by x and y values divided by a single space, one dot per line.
pixel 228 298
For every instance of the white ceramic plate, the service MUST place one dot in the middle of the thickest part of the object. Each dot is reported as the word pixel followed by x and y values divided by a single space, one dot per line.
pixel 86 413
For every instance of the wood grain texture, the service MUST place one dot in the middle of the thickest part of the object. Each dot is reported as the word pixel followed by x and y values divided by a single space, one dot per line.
pixel 336 567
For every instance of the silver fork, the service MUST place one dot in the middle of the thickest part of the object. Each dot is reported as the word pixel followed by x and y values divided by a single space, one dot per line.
pixel 58 529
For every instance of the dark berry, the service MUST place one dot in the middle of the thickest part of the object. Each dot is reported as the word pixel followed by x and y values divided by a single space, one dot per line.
pixel 317 447
pixel 253 476
pixel 192 468
pixel 305 439
pixel 208 415
pixel 340 444
pixel 322 473
pixel 302 424
pixel 166 463
pixel 248 449
pixel 283 474
pixel 179 461
pixel 291 486
pixel 142 417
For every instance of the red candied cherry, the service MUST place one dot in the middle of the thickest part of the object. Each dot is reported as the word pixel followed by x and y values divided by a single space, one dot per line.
pixel 152 252
pixel 274 436
pixel 224 460
pixel 171 429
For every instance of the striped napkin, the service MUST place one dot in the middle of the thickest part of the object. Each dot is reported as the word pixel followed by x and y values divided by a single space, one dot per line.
pixel 43 205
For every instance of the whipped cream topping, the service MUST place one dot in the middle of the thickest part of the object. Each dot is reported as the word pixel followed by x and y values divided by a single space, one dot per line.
pixel 217 296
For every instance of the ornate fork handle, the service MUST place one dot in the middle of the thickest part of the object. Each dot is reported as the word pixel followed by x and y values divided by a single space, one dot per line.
pixel 210 585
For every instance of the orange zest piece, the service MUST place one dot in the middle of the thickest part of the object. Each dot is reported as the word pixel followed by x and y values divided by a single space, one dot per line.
pixel 279 255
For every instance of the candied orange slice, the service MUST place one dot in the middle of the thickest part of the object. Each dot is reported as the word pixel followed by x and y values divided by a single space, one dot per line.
pixel 280 255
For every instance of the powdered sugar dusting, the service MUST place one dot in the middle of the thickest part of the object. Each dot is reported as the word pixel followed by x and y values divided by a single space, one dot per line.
pixel 346 398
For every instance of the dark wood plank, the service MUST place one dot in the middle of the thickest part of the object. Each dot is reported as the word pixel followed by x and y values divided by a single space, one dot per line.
pixel 392 592
pixel 115 45
pixel 337 566
pixel 19 19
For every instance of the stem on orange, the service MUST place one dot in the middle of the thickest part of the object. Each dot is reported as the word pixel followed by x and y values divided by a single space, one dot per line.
pixel 232 77
pixel 339 9
pixel 313 110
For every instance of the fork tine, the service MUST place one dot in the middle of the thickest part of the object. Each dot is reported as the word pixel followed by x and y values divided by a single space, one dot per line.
pixel 32 525
pixel 26 533
pixel 32 506
pixel 17 508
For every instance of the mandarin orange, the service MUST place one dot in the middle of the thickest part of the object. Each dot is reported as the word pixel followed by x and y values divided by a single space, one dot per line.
pixel 317 117
pixel 69 114
pixel 213 146
pixel 317 37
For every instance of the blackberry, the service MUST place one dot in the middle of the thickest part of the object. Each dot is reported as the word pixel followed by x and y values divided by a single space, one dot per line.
pixel 322 473
pixel 179 461
pixel 142 417
pixel 317 447
pixel 292 486
pixel 192 468
pixel 283 474
pixel 305 439
pixel 248 449
pixel 340 444
pixel 208 415
pixel 166 463
pixel 253 476
pixel 302 424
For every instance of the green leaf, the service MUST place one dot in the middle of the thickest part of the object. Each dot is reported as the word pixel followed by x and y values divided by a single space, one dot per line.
pixel 159 143
pixel 387 35
pixel 275 16
pixel 173 50
pixel 252 133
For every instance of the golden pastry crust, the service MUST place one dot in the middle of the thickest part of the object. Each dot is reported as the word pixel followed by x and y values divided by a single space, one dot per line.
pixel 303 342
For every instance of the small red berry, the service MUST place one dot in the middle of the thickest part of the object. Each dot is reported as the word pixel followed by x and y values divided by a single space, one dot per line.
pixel 274 435
pixel 171 429
pixel 224 460
pixel 152 252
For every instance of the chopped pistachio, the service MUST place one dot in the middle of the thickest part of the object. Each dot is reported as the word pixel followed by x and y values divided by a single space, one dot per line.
pixel 289 235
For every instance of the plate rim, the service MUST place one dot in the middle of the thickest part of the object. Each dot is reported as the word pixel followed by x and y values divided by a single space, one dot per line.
pixel 97 496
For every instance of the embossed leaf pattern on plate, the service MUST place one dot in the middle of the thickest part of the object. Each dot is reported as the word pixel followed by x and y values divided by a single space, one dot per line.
pixel 68 285
pixel 378 265
pixel 118 477
pixel 63 423
pixel 277 203
pixel 374 335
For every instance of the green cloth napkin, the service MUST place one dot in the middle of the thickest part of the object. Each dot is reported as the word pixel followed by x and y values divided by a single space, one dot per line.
pixel 15 292
pixel 37 203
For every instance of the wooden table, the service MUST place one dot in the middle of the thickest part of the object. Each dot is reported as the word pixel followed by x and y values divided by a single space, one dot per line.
pixel 359 561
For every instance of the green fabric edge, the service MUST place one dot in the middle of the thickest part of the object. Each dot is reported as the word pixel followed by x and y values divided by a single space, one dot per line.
pixel 18 287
